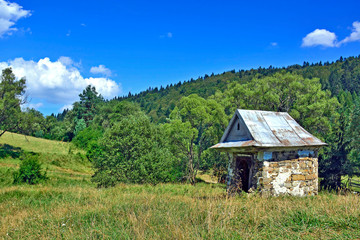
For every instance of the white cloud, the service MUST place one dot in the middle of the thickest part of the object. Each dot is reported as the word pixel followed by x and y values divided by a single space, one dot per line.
pixel 67 61
pixel 319 37
pixel 101 69
pixel 34 105
pixel 10 13
pixel 354 36
pixel 167 35
pixel 274 44
pixel 68 106
pixel 325 38
pixel 58 82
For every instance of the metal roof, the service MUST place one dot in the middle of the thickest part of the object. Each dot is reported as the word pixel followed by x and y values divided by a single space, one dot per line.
pixel 269 129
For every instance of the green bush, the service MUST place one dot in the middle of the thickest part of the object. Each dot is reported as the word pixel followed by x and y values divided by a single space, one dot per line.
pixel 87 135
pixel 132 151
pixel 29 171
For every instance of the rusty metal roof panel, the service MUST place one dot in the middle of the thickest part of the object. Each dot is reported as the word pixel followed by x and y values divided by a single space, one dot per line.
pixel 258 127
pixel 302 133
pixel 271 129
pixel 282 130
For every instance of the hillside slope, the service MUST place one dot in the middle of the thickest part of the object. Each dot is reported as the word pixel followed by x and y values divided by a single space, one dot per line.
pixel 33 144
pixel 344 74
pixel 62 160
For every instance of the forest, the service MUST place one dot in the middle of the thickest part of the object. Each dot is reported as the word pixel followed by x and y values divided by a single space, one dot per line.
pixel 163 134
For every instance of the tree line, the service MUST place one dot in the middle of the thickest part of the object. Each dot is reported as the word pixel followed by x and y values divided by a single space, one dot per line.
pixel 164 135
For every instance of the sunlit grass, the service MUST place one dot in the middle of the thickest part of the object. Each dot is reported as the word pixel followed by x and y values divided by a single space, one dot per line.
pixel 171 211
pixel 33 144
pixel 345 181
pixel 69 206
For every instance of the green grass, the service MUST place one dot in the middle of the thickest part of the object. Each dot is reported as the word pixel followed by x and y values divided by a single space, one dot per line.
pixel 37 145
pixel 69 206
pixel 170 211
pixel 345 181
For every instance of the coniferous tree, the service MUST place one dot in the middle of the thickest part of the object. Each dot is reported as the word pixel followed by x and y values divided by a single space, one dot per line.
pixel 11 99
pixel 88 105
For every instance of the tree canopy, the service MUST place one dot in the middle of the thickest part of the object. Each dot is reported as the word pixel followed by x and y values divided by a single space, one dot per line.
pixel 11 98
pixel 302 98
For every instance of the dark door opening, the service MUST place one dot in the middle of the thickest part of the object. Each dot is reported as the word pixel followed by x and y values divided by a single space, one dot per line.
pixel 243 172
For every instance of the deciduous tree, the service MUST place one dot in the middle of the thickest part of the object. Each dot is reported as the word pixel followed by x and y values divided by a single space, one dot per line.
pixel 195 124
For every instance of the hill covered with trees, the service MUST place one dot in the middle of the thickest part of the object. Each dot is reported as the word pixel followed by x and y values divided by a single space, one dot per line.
pixel 338 76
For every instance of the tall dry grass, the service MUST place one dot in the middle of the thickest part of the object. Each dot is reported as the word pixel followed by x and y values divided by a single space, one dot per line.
pixel 68 206
pixel 171 211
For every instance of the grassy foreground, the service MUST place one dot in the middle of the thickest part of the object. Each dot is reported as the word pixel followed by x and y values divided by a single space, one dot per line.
pixel 170 212
pixel 68 206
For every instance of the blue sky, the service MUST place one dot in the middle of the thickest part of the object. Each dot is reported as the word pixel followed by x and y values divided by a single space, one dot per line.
pixel 119 46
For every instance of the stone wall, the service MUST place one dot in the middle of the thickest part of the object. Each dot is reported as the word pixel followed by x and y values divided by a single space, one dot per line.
pixel 297 177
pixel 277 175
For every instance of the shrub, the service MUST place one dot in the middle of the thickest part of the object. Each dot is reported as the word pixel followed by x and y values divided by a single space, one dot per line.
pixel 131 151
pixel 87 135
pixel 29 171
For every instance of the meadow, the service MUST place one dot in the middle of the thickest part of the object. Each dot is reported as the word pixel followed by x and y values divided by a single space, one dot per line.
pixel 69 206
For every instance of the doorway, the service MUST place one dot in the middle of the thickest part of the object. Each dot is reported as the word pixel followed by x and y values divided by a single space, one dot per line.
pixel 243 172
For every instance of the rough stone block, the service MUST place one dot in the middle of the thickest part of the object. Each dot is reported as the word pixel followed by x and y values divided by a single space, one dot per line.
pixel 274 165
pixel 261 180
pixel 297 177
pixel 310 177
pixel 267 181
pixel 305 171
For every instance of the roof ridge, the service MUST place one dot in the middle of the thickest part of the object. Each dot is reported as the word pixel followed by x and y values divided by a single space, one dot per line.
pixel 254 110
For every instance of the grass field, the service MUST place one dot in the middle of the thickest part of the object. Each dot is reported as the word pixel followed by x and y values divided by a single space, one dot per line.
pixel 345 180
pixel 68 206
pixel 32 144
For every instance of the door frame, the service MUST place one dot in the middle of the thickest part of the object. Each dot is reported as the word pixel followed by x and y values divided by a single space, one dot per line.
pixel 248 160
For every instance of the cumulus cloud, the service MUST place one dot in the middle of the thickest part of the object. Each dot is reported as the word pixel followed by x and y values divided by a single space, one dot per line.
pixel 67 61
pixel 355 34
pixel 101 69
pixel 319 37
pixel 325 38
pixel 10 13
pixel 58 82
pixel 34 105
